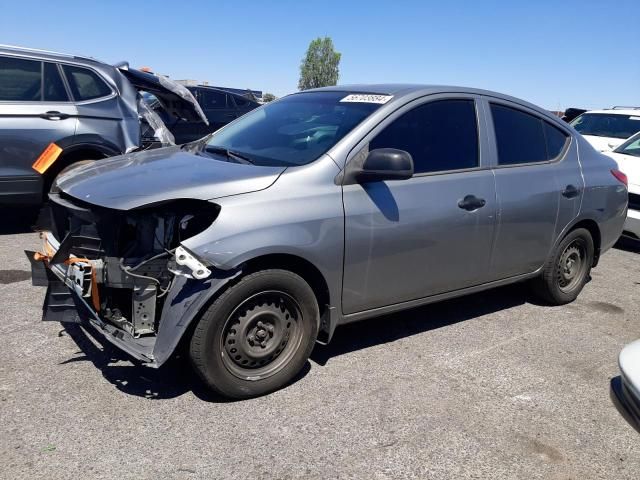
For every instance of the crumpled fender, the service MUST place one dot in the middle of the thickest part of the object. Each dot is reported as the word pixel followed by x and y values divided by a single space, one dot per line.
pixel 184 302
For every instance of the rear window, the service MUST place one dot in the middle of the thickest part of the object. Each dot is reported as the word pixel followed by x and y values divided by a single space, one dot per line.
pixel 525 138
pixel 212 100
pixel 612 125
pixel 85 84
pixel 20 80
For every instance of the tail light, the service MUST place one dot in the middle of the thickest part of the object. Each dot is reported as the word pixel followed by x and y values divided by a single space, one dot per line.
pixel 621 177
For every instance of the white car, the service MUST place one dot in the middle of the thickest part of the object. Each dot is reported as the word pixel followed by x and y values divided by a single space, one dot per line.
pixel 626 388
pixel 607 129
pixel 627 157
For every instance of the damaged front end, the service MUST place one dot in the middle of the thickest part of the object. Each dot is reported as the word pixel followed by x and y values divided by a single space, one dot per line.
pixel 125 271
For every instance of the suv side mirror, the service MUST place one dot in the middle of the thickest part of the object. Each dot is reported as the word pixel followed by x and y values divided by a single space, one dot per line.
pixel 380 164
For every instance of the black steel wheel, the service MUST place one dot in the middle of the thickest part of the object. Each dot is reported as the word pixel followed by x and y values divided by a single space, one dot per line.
pixel 571 266
pixel 566 272
pixel 261 335
pixel 257 335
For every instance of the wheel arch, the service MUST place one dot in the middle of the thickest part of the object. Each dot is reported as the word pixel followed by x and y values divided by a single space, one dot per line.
pixel 76 152
pixel 592 227
pixel 191 299
pixel 310 274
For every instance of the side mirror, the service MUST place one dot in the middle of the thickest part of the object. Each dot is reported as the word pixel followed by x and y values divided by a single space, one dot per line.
pixel 380 164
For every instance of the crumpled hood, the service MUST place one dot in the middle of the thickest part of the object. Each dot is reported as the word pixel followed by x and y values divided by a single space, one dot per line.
pixel 137 179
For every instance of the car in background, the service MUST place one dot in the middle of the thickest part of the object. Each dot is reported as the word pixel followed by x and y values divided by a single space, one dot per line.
pixel 571 113
pixel 606 129
pixel 325 207
pixel 219 106
pixel 625 389
pixel 627 156
pixel 59 110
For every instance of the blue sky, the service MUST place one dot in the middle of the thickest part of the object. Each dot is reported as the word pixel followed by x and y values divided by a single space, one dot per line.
pixel 553 53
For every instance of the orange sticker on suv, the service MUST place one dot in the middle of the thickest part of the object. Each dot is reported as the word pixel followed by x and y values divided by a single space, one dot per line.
pixel 46 158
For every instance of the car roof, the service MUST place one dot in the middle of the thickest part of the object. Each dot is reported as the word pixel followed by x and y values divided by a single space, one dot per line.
pixel 412 90
pixel 216 89
pixel 617 111
pixel 399 90
pixel 47 55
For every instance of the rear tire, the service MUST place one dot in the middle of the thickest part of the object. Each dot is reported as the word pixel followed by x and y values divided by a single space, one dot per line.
pixel 257 335
pixel 567 270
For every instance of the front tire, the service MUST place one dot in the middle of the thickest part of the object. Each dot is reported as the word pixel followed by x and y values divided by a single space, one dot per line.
pixel 567 271
pixel 257 335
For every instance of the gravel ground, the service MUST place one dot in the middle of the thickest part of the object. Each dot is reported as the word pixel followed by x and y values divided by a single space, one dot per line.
pixel 489 386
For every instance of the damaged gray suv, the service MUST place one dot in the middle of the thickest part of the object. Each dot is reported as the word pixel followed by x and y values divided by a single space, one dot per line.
pixel 59 111
pixel 326 207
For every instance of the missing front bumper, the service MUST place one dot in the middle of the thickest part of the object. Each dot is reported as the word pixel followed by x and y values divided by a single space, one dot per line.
pixel 64 303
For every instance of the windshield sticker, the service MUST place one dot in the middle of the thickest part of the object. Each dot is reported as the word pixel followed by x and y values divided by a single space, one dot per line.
pixel 634 118
pixel 367 98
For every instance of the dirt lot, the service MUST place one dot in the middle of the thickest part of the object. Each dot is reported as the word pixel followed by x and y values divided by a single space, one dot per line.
pixel 490 386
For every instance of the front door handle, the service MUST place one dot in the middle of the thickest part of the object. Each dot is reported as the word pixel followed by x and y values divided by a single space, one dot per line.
pixel 471 202
pixel 54 115
pixel 570 191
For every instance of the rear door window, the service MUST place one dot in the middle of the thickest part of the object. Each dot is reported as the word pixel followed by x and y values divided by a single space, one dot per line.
pixel 54 90
pixel 440 136
pixel 20 80
pixel 212 100
pixel 525 138
pixel 556 140
pixel 85 84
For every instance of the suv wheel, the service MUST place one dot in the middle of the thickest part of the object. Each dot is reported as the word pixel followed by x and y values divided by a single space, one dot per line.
pixel 257 335
pixel 567 271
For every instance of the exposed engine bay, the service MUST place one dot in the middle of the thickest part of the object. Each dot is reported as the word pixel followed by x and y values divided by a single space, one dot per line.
pixel 123 263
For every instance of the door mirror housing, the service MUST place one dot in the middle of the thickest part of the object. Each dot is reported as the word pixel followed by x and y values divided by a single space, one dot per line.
pixel 378 165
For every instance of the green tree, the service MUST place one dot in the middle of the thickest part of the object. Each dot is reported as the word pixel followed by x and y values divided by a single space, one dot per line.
pixel 268 97
pixel 319 67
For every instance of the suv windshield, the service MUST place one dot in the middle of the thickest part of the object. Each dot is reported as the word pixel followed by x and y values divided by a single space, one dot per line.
pixel 607 124
pixel 293 131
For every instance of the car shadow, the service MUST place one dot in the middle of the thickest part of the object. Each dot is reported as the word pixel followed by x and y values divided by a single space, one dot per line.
pixel 18 219
pixel 628 245
pixel 176 377
pixel 381 330
pixel 171 380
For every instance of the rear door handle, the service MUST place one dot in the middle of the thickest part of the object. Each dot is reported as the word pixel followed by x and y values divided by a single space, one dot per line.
pixel 570 191
pixel 54 115
pixel 471 202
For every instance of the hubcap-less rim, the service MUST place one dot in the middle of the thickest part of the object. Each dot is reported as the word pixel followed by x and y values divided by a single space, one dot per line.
pixel 261 335
pixel 572 265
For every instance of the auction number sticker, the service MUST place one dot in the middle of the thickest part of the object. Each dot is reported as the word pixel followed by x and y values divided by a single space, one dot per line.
pixel 367 98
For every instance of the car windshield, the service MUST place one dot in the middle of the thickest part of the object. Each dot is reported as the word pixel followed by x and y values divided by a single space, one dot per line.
pixel 292 131
pixel 613 125
pixel 630 147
